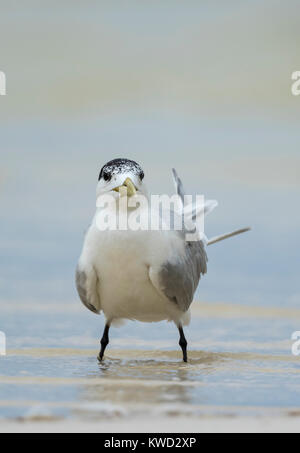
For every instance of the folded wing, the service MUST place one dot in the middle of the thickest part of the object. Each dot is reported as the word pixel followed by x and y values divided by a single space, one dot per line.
pixel 178 278
pixel 87 287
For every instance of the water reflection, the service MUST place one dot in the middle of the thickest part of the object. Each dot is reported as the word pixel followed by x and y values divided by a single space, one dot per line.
pixel 163 379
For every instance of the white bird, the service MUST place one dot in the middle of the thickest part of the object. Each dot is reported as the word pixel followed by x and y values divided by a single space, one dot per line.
pixel 145 275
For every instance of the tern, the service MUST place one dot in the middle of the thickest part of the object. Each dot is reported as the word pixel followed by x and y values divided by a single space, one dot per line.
pixel 140 274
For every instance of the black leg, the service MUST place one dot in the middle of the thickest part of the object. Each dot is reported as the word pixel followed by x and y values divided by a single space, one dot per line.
pixel 104 341
pixel 182 343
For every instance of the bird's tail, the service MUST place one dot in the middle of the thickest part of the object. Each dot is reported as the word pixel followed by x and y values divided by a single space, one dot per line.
pixel 227 235
pixel 192 211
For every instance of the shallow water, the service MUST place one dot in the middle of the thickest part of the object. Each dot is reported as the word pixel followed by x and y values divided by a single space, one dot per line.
pixel 184 98
pixel 240 363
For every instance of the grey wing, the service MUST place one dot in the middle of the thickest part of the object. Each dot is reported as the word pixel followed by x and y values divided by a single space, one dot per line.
pixel 87 288
pixel 178 279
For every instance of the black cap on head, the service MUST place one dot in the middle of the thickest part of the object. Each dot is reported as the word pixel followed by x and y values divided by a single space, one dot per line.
pixel 116 166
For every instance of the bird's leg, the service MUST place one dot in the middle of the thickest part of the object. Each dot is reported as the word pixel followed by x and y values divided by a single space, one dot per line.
pixel 182 342
pixel 104 341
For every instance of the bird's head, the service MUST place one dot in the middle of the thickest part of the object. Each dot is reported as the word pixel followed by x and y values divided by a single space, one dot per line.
pixel 123 176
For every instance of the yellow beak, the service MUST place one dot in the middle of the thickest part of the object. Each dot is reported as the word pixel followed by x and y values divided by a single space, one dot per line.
pixel 127 188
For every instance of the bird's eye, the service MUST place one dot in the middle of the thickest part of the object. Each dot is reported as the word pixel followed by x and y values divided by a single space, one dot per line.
pixel 142 175
pixel 106 176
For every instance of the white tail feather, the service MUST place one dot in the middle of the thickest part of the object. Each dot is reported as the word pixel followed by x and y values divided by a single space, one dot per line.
pixel 227 235
pixel 194 210
pixel 191 212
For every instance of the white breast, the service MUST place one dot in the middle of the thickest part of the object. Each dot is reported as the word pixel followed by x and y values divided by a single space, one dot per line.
pixel 122 260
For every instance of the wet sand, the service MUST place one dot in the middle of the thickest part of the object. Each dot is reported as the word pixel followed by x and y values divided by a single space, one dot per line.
pixel 215 424
pixel 241 375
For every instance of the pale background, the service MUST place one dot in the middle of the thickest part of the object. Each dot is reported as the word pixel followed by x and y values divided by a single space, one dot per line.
pixel 204 87
pixel 201 86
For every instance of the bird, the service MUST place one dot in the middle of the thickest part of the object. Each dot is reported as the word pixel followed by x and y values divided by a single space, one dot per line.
pixel 146 275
